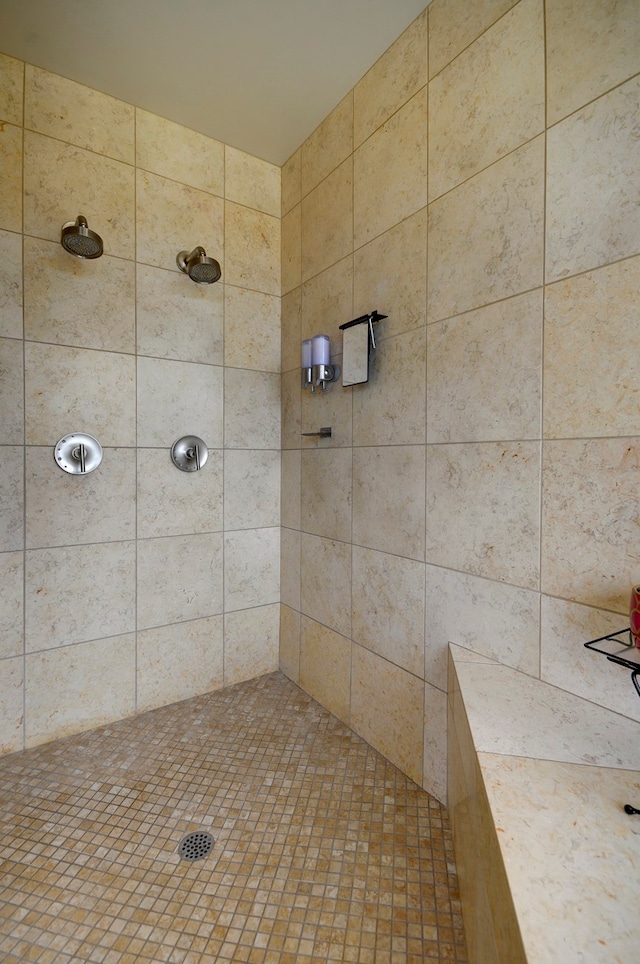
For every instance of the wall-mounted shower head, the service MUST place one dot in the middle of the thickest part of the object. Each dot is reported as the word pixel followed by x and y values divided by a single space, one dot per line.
pixel 200 268
pixel 78 240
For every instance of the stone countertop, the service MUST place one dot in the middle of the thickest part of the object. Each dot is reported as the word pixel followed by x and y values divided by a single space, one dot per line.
pixel 557 771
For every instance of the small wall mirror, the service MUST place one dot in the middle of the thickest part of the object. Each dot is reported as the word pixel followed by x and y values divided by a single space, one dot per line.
pixel 357 340
pixel 355 355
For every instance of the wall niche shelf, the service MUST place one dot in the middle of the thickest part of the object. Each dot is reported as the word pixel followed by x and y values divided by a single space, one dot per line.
pixel 619 648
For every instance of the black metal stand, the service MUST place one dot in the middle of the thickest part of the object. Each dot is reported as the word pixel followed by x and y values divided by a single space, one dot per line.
pixel 619 648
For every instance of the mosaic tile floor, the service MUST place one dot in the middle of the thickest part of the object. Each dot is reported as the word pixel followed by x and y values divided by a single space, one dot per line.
pixel 323 850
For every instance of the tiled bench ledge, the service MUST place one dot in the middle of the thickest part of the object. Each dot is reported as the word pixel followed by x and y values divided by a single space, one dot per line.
pixel 549 863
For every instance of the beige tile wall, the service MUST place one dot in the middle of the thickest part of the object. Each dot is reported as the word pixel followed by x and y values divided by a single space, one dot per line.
pixel 480 186
pixel 138 585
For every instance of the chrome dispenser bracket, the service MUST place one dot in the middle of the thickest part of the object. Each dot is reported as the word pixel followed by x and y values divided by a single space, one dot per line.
pixel 323 374
pixel 78 454
pixel 189 453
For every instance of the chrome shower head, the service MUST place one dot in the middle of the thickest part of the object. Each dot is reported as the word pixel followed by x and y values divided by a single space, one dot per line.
pixel 200 268
pixel 78 240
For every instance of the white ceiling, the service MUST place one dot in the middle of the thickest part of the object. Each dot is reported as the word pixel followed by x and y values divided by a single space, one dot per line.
pixel 259 75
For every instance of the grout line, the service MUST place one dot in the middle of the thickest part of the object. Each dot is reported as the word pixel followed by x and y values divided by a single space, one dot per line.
pixel 24 435
pixel 426 384
pixel 223 465
pixel 135 403
pixel 542 336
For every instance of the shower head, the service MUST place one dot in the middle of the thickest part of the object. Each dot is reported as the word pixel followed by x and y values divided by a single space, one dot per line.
pixel 78 240
pixel 200 268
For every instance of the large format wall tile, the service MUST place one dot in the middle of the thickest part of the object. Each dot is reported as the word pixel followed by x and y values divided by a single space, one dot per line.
pixel 566 626
pixel 252 330
pixel 251 489
pixel 251 568
pixel 78 390
pixel 173 217
pixel 171 502
pixel 591 349
pixel 66 510
pixel 289 655
pixel 290 567
pixel 327 221
pixel 328 146
pixel 178 320
pixel 590 520
pixel 252 244
pixel 173 151
pixel 598 149
pixel 392 409
pixel 76 688
pixel 325 580
pixel 484 373
pixel 11 89
pixel 387 710
pixel 251 643
pixel 434 766
pixel 291 328
pixel 390 172
pixel 325 667
pixel 11 392
pixel 10 285
pixel 291 406
pixel 178 662
pixel 388 499
pixel 11 180
pixel 488 617
pixel 393 80
pixel 290 488
pixel 11 604
pixel 454 24
pixel 588 55
pixel 485 238
pixel 62 181
pixel 12 497
pixel 176 399
pixel 251 181
pixel 77 114
pixel 483 509
pixel 489 101
pixel 326 493
pixel 11 704
pixel 252 409
pixel 179 578
pixel 68 301
pixel 291 174
pixel 327 302
pixel 79 593
pixel 388 607
pixel 390 276
pixel 291 249
pixel 331 409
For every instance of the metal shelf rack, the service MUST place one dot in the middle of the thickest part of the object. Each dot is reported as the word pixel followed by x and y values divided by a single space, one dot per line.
pixel 619 648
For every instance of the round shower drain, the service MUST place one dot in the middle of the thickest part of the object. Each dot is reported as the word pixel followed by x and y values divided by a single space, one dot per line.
pixel 196 846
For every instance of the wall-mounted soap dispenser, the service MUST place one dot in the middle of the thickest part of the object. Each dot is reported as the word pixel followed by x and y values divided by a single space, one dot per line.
pixel 316 363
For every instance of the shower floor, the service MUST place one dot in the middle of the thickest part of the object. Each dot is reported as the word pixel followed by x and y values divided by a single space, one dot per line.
pixel 323 851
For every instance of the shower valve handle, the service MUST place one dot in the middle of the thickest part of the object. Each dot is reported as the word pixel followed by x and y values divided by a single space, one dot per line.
pixel 194 453
pixel 79 453
pixel 189 453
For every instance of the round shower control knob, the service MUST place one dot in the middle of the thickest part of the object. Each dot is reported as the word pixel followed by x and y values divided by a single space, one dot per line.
pixel 78 454
pixel 189 453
